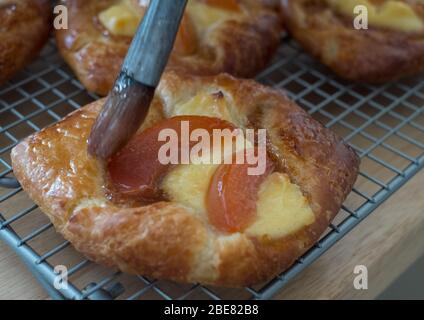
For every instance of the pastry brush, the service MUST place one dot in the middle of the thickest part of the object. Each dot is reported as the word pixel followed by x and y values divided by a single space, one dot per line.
pixel 128 103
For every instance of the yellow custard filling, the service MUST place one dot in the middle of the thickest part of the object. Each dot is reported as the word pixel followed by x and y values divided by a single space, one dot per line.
pixel 390 14
pixel 281 208
pixel 205 16
pixel 121 19
pixel 209 104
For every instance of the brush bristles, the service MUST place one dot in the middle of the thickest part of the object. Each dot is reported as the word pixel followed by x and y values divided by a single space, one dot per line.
pixel 124 111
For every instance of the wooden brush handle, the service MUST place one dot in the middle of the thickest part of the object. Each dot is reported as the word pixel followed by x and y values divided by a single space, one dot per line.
pixel 150 49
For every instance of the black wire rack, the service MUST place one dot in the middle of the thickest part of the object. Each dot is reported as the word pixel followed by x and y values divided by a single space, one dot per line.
pixel 385 125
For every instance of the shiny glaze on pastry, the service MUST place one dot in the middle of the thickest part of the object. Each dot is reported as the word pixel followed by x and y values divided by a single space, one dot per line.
pixel 24 29
pixel 179 238
pixel 392 47
pixel 237 36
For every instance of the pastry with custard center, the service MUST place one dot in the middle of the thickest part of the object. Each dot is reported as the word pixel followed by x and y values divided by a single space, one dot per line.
pixel 234 36
pixel 199 222
pixel 391 48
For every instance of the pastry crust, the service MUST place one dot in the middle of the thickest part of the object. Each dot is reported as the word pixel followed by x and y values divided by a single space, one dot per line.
pixel 240 46
pixel 167 240
pixel 376 55
pixel 24 26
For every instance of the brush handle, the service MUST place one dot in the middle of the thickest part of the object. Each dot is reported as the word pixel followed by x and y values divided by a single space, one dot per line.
pixel 150 49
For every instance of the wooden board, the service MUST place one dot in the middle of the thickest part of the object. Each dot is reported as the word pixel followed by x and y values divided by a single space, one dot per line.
pixel 16 282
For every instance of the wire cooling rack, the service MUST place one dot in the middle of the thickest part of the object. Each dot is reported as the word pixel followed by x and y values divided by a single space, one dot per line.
pixel 385 124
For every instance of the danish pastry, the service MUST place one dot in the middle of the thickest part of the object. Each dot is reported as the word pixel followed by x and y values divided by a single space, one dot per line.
pixel 24 26
pixel 234 36
pixel 193 222
pixel 392 47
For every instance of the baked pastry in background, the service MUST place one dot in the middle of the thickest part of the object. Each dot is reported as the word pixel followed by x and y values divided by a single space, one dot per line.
pixel 234 36
pixel 24 29
pixel 392 47
pixel 206 223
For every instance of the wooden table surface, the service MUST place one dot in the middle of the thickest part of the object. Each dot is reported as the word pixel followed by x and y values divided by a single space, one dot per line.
pixel 387 243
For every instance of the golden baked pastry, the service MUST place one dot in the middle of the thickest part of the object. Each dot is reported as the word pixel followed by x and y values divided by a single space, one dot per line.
pixel 234 36
pixel 392 47
pixel 24 29
pixel 181 236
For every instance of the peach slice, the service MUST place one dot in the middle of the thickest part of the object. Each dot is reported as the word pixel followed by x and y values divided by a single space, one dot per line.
pixel 136 172
pixel 232 196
